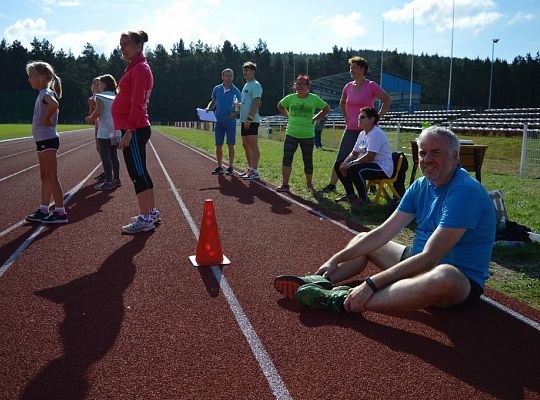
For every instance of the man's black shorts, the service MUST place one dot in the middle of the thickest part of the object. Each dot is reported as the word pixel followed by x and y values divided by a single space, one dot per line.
pixel 253 129
pixel 474 294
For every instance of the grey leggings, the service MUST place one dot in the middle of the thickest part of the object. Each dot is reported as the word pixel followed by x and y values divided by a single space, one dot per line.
pixel 289 148
pixel 109 159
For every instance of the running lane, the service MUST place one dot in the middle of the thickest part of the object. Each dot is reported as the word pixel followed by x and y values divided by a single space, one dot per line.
pixel 89 313
pixel 479 353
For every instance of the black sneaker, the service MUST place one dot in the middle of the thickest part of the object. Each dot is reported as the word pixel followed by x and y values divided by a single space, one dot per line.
pixel 55 218
pixel 37 216
pixel 217 171
pixel 100 177
pixel 229 171
pixel 329 188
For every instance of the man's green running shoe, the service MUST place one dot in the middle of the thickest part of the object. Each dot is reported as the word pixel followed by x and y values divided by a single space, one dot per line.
pixel 313 296
pixel 288 284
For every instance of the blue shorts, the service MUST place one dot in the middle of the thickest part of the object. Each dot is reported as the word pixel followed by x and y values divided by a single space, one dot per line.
pixel 223 129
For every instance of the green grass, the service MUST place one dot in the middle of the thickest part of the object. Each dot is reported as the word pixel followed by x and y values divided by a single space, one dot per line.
pixel 11 131
pixel 514 272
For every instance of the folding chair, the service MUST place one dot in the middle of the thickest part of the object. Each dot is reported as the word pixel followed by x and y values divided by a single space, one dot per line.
pixel 389 182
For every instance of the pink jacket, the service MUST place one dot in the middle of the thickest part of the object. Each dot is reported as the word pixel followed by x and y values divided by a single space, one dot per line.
pixel 130 106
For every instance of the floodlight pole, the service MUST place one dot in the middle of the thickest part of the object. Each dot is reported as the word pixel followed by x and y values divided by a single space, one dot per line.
pixel 451 57
pixel 382 60
pixel 382 54
pixel 491 75
pixel 412 65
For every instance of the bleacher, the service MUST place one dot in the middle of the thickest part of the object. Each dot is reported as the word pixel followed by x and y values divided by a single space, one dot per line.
pixel 503 121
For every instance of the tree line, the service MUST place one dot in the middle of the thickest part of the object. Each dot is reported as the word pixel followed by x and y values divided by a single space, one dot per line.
pixel 185 75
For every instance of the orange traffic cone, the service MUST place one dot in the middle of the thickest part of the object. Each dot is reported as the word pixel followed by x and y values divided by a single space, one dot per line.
pixel 209 247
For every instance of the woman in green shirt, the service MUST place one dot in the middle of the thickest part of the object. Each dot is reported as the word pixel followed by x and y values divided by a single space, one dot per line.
pixel 299 108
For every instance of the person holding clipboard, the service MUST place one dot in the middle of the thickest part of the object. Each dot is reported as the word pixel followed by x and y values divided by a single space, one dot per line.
pixel 226 104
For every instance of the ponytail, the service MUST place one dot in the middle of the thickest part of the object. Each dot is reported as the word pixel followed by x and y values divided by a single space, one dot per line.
pixel 56 86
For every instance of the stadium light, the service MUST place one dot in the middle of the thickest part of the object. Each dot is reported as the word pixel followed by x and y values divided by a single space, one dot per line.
pixel 451 57
pixel 491 75
pixel 412 65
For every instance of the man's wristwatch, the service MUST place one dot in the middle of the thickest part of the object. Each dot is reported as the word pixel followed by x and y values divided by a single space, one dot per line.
pixel 249 118
pixel 370 283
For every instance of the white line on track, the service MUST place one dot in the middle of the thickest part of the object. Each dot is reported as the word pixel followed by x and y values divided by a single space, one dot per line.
pixel 30 137
pixel 33 149
pixel 488 300
pixel 263 358
pixel 68 196
pixel 35 165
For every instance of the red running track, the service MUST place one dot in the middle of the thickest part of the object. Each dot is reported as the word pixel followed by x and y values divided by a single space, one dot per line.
pixel 88 313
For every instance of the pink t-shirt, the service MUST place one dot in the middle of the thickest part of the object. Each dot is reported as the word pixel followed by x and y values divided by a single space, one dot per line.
pixel 358 99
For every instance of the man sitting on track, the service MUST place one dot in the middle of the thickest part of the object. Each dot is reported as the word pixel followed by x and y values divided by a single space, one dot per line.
pixel 449 260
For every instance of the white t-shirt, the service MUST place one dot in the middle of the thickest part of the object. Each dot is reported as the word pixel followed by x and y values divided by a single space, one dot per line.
pixel 375 141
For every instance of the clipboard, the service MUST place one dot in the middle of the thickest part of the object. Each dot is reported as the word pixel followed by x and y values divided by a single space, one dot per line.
pixel 204 115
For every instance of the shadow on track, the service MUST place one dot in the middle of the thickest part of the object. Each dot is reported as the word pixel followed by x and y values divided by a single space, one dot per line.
pixel 209 279
pixel 94 311
pixel 489 350
pixel 235 187
pixel 85 203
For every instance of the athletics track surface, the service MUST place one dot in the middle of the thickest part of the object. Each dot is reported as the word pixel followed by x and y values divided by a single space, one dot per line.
pixel 88 313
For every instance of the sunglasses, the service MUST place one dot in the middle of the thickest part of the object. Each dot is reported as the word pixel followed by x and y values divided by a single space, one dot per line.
pixel 362 116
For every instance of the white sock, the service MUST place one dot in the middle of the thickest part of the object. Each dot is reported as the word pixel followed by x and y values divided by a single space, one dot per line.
pixel 60 210
pixel 44 208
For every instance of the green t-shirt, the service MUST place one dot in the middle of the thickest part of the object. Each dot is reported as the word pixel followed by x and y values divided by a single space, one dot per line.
pixel 301 112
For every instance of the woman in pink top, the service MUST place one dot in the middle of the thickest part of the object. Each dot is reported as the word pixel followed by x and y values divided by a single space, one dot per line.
pixel 130 115
pixel 357 94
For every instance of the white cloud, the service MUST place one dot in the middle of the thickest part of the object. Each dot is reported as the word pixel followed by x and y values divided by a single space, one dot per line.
pixel 183 19
pixel 342 26
pixel 25 30
pixel 72 3
pixel 468 14
pixel 519 17
pixel 102 41
pixel 478 22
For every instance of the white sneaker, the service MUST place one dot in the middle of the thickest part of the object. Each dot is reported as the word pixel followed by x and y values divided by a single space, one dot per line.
pixel 251 175
pixel 138 225
pixel 156 217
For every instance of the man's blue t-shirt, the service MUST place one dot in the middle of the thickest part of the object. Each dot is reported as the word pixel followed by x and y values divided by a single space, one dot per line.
pixel 225 102
pixel 462 203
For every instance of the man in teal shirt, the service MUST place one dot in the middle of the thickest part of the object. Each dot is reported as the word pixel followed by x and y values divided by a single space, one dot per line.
pixel 250 120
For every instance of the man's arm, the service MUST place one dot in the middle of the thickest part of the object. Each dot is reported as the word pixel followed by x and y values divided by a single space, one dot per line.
pixel 439 244
pixel 211 105
pixel 255 106
pixel 368 242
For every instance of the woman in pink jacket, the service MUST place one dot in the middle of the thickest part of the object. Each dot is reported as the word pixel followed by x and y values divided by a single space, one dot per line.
pixel 129 110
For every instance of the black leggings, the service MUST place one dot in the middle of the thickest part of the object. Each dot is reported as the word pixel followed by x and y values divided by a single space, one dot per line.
pixel 109 159
pixel 357 175
pixel 135 158
pixel 289 148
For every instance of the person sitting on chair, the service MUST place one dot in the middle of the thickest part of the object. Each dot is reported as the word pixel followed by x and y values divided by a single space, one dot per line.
pixel 370 159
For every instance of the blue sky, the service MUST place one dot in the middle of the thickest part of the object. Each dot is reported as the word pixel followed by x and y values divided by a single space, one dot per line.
pixel 299 26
